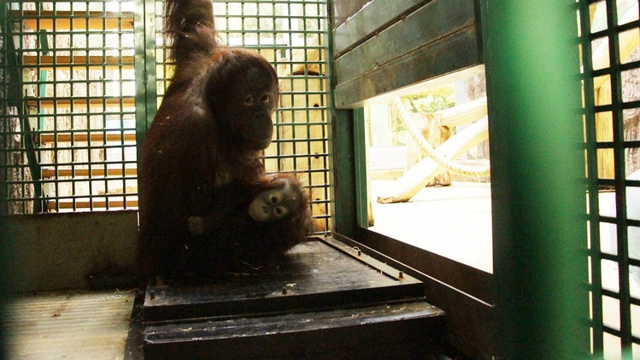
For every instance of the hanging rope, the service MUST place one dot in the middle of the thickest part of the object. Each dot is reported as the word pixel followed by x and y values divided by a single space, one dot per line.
pixel 405 117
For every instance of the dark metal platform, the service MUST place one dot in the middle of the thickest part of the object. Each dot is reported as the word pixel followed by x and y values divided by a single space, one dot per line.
pixel 325 298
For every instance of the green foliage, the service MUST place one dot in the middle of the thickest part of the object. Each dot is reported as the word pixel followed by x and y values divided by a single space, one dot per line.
pixel 431 100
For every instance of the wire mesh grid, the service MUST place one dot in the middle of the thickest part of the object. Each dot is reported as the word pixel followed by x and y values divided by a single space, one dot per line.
pixel 68 126
pixel 73 121
pixel 291 35
pixel 611 59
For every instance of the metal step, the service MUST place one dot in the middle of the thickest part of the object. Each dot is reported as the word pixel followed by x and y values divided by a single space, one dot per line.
pixel 324 300
pixel 322 273
pixel 405 330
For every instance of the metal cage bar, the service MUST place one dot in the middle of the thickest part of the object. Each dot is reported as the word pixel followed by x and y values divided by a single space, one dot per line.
pixel 92 94
pixel 538 198
pixel 292 36
pixel 76 64
pixel 610 44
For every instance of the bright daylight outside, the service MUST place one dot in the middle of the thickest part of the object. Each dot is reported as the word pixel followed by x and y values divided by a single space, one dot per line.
pixel 428 168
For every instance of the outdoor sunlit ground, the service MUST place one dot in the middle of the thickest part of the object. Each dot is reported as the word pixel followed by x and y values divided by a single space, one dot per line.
pixel 455 222
pixel 452 221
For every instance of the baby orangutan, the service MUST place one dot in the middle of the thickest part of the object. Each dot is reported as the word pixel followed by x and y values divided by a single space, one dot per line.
pixel 271 218
pixel 276 200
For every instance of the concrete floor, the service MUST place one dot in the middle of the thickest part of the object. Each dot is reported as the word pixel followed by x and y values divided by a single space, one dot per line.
pixel 455 222
pixel 69 325
pixel 452 221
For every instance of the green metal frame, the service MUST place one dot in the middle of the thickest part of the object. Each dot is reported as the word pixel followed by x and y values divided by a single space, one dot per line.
pixel 145 64
pixel 341 160
pixel 362 197
pixel 592 188
pixel 537 159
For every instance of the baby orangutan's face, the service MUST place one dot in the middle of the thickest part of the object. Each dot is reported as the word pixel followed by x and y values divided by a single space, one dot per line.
pixel 276 203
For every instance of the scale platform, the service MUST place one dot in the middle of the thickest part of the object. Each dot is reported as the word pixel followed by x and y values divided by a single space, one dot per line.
pixel 325 300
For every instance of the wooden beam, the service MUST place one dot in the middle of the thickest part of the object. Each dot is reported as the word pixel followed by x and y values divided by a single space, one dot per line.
pixel 422 173
pixel 48 103
pixel 446 56
pixel 64 62
pixel 429 24
pixel 87 204
pixel 463 114
pixel 366 23
pixel 76 20
pixel 95 172
pixel 342 10
pixel 93 137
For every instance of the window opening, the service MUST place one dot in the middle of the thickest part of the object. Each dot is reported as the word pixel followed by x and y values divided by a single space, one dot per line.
pixel 428 162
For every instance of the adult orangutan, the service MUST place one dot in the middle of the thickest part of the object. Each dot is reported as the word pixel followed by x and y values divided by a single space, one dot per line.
pixel 213 123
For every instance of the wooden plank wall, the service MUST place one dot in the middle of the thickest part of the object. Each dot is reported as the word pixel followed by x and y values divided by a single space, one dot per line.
pixel 382 46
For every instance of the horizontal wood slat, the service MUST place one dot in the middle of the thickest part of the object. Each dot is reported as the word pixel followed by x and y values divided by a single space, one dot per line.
pixel 76 20
pixel 49 103
pixel 451 54
pixel 94 172
pixel 342 10
pixel 436 39
pixel 376 16
pixel 83 137
pixel 86 204
pixel 429 24
pixel 65 62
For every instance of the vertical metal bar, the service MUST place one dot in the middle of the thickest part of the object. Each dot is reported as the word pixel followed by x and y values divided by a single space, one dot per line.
pixel 54 116
pixel 145 72
pixel 592 184
pixel 537 160
pixel 342 166
pixel 325 104
pixel 620 169
pixel 4 24
pixel 7 271
pixel 103 74
pixel 5 242
pixel 15 93
pixel 4 112
pixel 121 106
pixel 42 90
pixel 360 152
pixel 71 129
pixel 341 156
